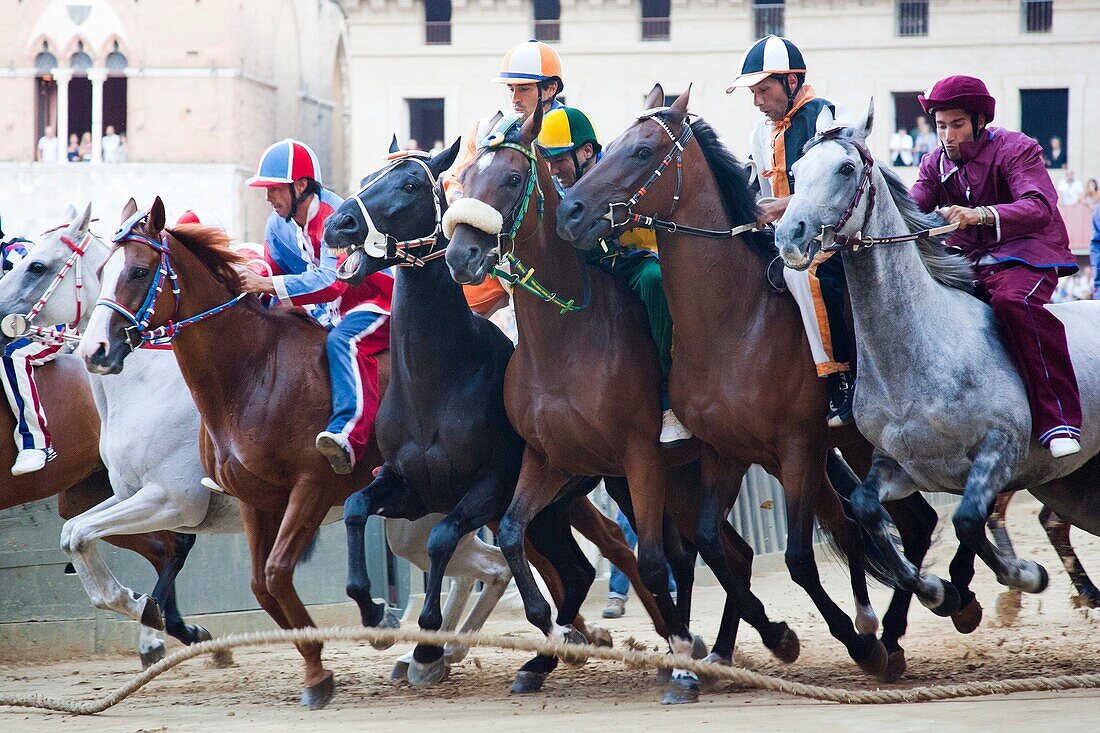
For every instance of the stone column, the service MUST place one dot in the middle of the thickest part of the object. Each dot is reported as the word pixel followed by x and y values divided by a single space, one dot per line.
pixel 62 77
pixel 97 77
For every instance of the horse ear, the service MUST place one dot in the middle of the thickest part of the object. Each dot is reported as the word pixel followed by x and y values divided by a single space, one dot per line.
pixel 70 213
pixel 656 97
pixel 128 210
pixel 865 123
pixel 394 147
pixel 156 215
pixel 825 119
pixel 80 223
pixel 532 127
pixel 444 160
pixel 679 108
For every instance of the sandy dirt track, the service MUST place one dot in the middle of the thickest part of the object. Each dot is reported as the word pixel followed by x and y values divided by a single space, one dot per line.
pixel 1051 636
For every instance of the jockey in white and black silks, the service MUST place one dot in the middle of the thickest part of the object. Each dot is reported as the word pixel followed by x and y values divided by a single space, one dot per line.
pixel 775 72
pixel 21 356
pixel 303 273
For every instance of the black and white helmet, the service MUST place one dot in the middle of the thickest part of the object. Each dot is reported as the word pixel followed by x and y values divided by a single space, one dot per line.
pixel 768 56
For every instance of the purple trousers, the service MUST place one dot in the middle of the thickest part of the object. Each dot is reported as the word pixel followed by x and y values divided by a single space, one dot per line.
pixel 1036 340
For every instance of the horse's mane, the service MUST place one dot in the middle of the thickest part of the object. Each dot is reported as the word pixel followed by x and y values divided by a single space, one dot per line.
pixel 211 246
pixel 946 268
pixel 733 185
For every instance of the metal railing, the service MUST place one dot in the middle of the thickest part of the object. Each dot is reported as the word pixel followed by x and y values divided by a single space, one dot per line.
pixel 548 30
pixel 767 19
pixel 912 17
pixel 656 29
pixel 1036 16
pixel 437 32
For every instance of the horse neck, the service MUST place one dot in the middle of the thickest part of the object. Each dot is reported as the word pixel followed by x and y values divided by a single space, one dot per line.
pixel 430 310
pixel 710 283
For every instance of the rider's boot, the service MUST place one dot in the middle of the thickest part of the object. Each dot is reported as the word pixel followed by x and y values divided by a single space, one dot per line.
pixel 841 390
pixel 336 448
pixel 1061 447
pixel 32 459
pixel 673 432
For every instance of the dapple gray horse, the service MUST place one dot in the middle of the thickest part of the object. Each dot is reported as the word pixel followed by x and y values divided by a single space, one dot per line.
pixel 149 442
pixel 936 392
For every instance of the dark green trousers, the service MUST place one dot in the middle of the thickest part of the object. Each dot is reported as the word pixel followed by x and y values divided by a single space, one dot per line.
pixel 642 274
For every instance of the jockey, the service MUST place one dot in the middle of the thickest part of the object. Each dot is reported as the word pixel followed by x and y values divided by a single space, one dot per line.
pixel 570 144
pixel 993 184
pixel 532 73
pixel 303 273
pixel 32 435
pixel 774 71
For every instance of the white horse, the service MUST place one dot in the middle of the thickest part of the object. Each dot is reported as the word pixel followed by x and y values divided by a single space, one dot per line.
pixel 936 391
pixel 149 443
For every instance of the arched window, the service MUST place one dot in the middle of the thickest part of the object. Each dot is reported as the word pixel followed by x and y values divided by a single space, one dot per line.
pixel 45 62
pixel 437 22
pixel 548 20
pixel 114 95
pixel 45 104
pixel 116 62
pixel 80 61
pixel 655 20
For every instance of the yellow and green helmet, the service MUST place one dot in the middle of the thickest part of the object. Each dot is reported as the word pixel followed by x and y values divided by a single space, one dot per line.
pixel 565 129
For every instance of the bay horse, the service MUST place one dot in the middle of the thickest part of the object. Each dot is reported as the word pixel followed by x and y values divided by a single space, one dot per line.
pixel 441 425
pixel 260 382
pixel 583 391
pixel 742 378
pixel 940 398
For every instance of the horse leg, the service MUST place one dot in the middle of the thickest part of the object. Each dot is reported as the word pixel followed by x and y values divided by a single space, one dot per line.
pixel 845 532
pixel 357 509
pixel 1057 530
pixel 305 511
pixel 803 479
pixel 989 473
pixel 475 559
pixel 472 511
pixel 887 478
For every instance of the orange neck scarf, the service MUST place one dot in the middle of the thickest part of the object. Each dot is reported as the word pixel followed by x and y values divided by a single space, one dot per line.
pixel 777 174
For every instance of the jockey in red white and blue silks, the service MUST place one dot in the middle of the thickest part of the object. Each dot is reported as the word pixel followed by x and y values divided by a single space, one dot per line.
pixel 32 435
pixel 303 273
pixel 993 183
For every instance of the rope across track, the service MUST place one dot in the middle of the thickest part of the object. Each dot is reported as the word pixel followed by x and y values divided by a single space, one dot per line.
pixel 575 653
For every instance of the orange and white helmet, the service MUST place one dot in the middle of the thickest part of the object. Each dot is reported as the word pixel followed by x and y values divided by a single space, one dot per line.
pixel 201 216
pixel 530 62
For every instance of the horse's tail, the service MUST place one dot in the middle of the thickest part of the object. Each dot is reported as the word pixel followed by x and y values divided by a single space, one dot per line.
pixel 307 554
pixel 845 481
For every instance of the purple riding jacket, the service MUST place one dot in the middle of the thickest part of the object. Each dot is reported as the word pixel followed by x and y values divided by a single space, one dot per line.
pixel 1002 170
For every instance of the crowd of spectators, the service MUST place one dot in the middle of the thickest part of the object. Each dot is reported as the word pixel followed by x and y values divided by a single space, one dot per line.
pixel 51 149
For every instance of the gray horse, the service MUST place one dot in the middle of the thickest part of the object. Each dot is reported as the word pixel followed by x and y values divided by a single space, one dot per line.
pixel 936 392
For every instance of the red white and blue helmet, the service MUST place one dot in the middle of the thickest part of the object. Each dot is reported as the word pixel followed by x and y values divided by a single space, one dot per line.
pixel 285 162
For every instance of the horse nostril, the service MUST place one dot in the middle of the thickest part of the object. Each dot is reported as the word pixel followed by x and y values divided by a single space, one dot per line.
pixel 345 223
pixel 576 211
pixel 800 229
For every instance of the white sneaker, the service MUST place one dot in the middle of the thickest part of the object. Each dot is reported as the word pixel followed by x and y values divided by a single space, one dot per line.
pixel 672 430
pixel 335 447
pixel 1059 447
pixel 29 460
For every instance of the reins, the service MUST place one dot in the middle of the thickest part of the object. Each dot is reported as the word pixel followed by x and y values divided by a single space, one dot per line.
pixel 17 325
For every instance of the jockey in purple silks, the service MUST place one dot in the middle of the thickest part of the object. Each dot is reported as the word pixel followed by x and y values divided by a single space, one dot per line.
pixel 993 184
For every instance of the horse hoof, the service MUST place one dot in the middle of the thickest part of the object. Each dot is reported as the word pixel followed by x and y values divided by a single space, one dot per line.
pixel 1088 599
pixel 200 634
pixel 1008 607
pixel 400 671
pixel 427 674
pixel 951 600
pixel 527 682
pixel 683 689
pixel 895 667
pixel 967 618
pixel 154 655
pixel 874 664
pixel 1041 582
pixel 389 621
pixel 788 648
pixel 709 682
pixel 454 654
pixel 571 636
pixel 599 636
pixel 151 616
pixel 320 694
pixel 699 647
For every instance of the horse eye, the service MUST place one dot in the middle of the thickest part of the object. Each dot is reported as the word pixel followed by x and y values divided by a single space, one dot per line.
pixel 36 268
pixel 847 169
pixel 514 180
pixel 139 273
pixel 644 153
pixel 409 187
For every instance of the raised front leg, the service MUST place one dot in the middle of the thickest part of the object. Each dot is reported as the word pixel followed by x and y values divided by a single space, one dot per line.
pixel 357 509
pixel 990 472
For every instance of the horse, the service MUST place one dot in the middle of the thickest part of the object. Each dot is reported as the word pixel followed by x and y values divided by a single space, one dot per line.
pixel 441 425
pixel 583 390
pixel 742 378
pixel 936 392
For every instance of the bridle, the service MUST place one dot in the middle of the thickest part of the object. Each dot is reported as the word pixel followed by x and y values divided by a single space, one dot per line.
pixel 859 240
pixel 675 153
pixel 139 319
pixel 523 204
pixel 380 244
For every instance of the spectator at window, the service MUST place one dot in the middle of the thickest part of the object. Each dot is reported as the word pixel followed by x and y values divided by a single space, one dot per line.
pixel 1056 156
pixel 122 152
pixel 901 148
pixel 48 146
pixel 1070 190
pixel 926 140
pixel 85 149
pixel 412 144
pixel 73 151
pixel 110 144
pixel 1092 193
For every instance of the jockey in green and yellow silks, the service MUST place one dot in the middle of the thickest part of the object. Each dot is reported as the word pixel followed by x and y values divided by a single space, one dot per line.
pixel 571 146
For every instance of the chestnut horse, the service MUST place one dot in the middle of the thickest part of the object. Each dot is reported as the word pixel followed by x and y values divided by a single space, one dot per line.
pixel 582 389
pixel 742 379
pixel 260 381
